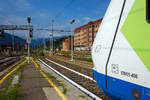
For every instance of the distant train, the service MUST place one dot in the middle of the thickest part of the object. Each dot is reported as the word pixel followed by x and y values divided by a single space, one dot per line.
pixel 121 51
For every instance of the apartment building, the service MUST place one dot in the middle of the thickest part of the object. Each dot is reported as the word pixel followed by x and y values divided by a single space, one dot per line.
pixel 84 35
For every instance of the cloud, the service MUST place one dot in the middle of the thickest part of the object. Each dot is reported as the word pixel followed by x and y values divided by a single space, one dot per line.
pixel 19 20
pixel 12 19
pixel 87 19
pixel 10 6
pixel 46 34
pixel 40 15
pixel 21 5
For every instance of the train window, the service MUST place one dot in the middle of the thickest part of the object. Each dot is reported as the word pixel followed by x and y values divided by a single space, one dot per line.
pixel 148 11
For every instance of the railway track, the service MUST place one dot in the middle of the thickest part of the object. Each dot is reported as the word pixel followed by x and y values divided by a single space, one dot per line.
pixel 3 60
pixel 5 64
pixel 82 70
pixel 79 78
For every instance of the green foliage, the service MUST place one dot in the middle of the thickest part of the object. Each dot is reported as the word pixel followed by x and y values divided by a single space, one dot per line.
pixel 11 95
pixel 13 53
pixel 80 55
pixel 42 53
pixel 3 54
pixel 89 59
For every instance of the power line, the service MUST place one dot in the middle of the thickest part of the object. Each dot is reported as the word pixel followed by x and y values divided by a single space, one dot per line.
pixel 60 12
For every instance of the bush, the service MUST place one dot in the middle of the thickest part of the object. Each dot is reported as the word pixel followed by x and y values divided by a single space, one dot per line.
pixel 89 59
pixel 42 53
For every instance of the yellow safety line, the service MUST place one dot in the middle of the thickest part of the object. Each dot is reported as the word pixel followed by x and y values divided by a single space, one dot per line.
pixel 50 82
pixel 2 80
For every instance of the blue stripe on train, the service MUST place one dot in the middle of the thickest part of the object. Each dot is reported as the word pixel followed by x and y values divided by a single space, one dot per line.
pixel 119 89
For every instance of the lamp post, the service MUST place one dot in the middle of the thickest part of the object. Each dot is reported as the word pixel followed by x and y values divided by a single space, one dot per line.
pixel 28 40
pixel 72 40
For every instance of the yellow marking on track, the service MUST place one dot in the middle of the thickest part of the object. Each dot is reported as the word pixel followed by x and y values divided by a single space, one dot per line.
pixel 50 82
pixel 16 68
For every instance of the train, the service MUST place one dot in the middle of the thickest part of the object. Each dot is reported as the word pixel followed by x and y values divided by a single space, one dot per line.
pixel 121 51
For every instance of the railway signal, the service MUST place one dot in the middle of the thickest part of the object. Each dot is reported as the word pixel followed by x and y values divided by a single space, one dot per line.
pixel 31 32
pixel 2 33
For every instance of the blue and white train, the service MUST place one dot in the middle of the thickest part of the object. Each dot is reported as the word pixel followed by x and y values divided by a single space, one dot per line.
pixel 121 51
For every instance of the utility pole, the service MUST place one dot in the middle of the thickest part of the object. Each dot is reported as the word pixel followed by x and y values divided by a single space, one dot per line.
pixel 13 39
pixel 72 40
pixel 52 47
pixel 28 40
pixel 44 47
pixel 45 43
pixel 50 43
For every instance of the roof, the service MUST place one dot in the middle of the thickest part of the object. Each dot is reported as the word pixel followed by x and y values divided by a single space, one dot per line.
pixel 90 23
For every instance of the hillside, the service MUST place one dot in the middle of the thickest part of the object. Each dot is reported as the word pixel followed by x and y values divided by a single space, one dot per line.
pixel 8 38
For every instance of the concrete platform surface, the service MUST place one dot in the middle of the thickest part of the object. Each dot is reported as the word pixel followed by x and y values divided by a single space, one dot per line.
pixel 71 92
pixel 31 84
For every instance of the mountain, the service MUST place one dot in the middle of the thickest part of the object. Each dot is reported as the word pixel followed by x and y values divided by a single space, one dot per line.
pixel 40 41
pixel 34 42
pixel 8 38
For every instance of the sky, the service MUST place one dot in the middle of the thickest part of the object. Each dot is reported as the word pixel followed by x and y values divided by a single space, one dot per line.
pixel 42 12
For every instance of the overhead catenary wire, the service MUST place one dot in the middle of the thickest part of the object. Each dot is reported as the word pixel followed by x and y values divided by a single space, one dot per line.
pixel 60 12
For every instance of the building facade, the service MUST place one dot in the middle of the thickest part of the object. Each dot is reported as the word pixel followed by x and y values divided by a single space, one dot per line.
pixel 84 35
pixel 66 44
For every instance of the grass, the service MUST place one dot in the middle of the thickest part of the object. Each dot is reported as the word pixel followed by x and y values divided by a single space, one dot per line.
pixel 82 96
pixel 55 80
pixel 13 53
pixel 80 56
pixel 58 82
pixel 64 90
pixel 9 94
pixel 42 53
pixel 3 54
